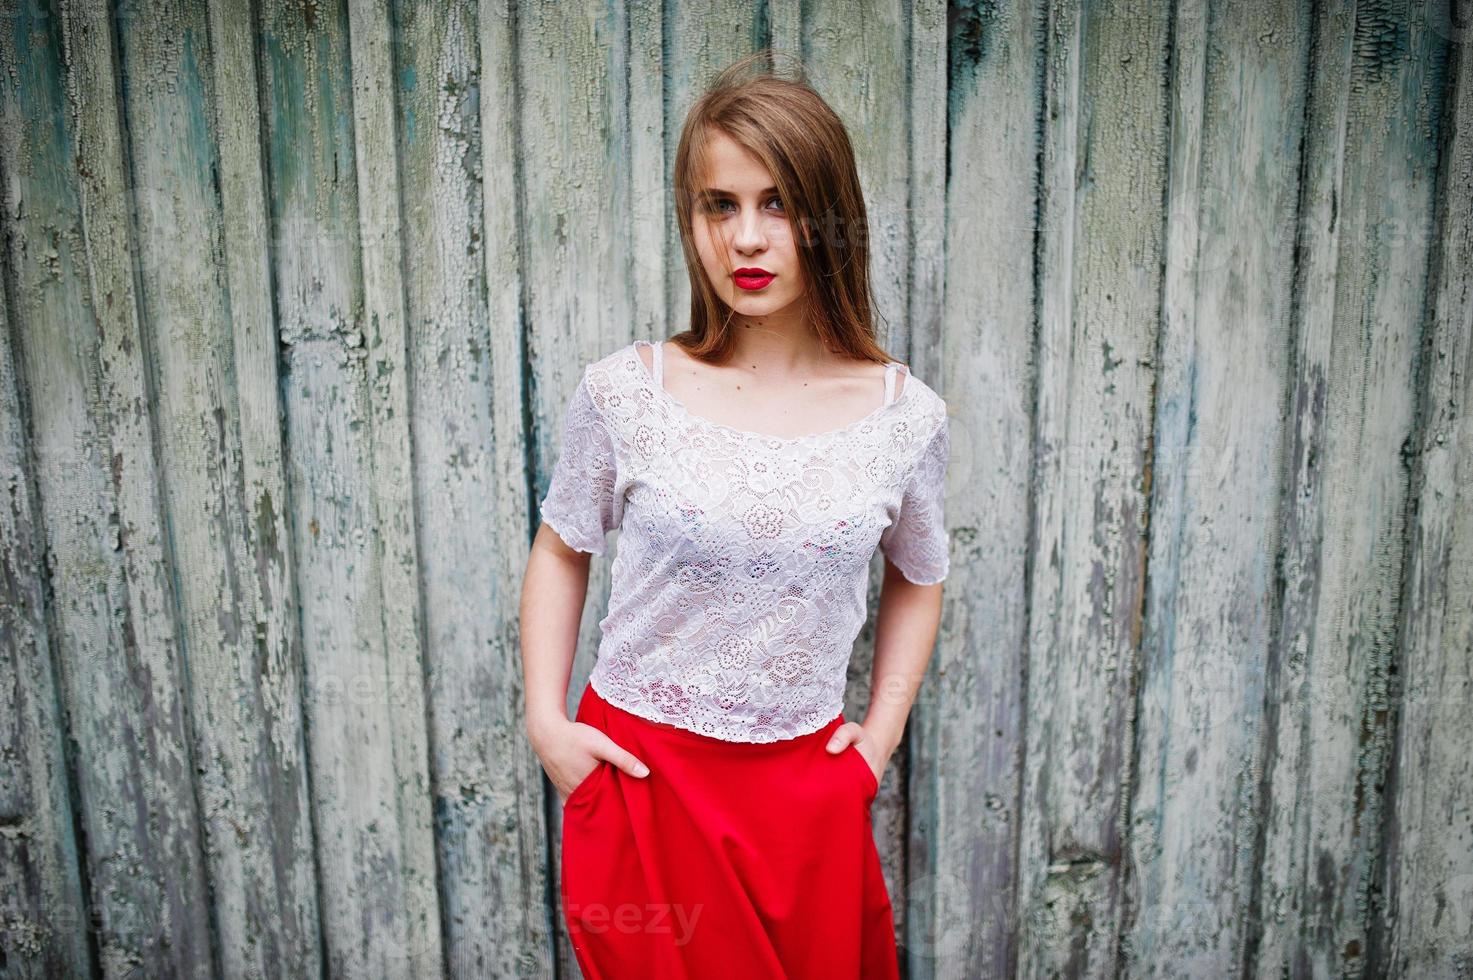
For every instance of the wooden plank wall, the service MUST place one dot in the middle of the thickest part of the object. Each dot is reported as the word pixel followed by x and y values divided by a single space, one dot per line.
pixel 292 297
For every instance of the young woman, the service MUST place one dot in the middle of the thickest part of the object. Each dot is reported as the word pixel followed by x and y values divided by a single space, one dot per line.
pixel 715 802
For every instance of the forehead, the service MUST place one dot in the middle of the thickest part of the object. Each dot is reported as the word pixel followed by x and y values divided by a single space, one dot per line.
pixel 734 168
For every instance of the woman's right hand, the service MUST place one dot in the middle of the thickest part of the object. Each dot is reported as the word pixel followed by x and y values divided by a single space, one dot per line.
pixel 571 750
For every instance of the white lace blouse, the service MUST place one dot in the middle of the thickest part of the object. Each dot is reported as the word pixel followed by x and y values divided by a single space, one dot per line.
pixel 741 577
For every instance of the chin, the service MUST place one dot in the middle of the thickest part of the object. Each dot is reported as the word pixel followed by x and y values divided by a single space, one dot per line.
pixel 759 305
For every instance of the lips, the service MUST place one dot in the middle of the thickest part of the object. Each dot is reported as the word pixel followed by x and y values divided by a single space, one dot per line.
pixel 752 278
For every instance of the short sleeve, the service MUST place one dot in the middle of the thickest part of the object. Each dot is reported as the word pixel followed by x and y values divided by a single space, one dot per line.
pixel 581 504
pixel 917 543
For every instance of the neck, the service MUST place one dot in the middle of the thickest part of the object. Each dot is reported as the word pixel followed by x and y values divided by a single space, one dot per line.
pixel 779 346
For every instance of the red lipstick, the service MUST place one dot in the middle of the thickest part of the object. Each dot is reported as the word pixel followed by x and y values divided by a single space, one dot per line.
pixel 752 279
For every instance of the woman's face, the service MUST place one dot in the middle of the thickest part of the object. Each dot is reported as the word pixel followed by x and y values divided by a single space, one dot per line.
pixel 744 233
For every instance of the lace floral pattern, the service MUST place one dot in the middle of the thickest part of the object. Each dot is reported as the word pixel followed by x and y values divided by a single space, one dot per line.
pixel 740 580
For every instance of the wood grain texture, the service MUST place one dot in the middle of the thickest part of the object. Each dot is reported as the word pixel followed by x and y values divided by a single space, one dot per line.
pixel 1354 396
pixel 245 258
pixel 967 724
pixel 912 336
pixel 43 925
pixel 463 298
pixel 112 612
pixel 1237 102
pixel 1422 922
pixel 1101 246
pixel 342 353
pixel 412 935
pixel 250 770
pixel 293 299
pixel 573 177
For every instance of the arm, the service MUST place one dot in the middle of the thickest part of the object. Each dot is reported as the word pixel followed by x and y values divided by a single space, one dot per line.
pixel 553 592
pixel 905 633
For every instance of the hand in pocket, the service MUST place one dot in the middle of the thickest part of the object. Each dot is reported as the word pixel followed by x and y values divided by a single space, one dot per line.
pixel 573 751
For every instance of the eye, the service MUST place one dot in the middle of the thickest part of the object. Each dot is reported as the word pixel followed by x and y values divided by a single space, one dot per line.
pixel 720 205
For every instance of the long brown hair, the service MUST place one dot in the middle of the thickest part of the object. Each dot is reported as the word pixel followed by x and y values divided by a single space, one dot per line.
pixel 786 124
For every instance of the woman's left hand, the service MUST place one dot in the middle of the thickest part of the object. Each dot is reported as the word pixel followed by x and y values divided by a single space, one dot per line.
pixel 864 743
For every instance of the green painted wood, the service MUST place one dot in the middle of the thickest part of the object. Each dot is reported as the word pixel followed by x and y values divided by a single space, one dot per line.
pixel 111 611
pixel 965 730
pixel 1101 248
pixel 413 935
pixel 861 66
pixel 252 788
pixel 1323 807
pixel 329 143
pixel 1225 374
pixel 114 632
pixel 1421 922
pixel 463 290
pixel 1301 687
pixel 246 256
pixel 43 921
pixel 571 141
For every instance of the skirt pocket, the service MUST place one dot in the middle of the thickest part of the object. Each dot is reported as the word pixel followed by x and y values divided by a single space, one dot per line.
pixel 584 783
pixel 871 784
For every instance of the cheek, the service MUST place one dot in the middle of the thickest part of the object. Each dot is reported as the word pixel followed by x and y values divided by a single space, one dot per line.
pixel 707 243
pixel 706 246
pixel 702 240
pixel 796 282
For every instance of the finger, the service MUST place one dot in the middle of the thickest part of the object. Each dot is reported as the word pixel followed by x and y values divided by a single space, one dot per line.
pixel 623 758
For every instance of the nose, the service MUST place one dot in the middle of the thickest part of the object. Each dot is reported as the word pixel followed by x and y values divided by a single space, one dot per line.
pixel 749 235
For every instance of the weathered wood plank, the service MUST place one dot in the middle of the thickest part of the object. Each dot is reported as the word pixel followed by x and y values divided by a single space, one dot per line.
pixel 252 791
pixel 342 363
pixel 1237 115
pixel 1423 926
pixel 1100 253
pixel 246 255
pixel 43 905
pixel 968 725
pixel 457 147
pixel 572 117
pixel 1344 544
pixel 112 614
pixel 1274 938
pixel 412 917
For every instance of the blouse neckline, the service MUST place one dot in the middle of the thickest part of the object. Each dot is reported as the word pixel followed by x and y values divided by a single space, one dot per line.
pixel 687 414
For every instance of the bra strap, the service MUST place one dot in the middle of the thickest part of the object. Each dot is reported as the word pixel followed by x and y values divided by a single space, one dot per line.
pixel 890 381
pixel 659 350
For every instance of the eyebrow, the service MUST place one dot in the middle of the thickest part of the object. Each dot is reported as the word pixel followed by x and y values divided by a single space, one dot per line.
pixel 719 190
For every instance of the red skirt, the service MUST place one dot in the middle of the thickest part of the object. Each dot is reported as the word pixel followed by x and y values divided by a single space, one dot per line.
pixel 730 859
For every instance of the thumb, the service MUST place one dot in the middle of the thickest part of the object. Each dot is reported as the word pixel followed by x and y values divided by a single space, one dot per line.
pixel 843 735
